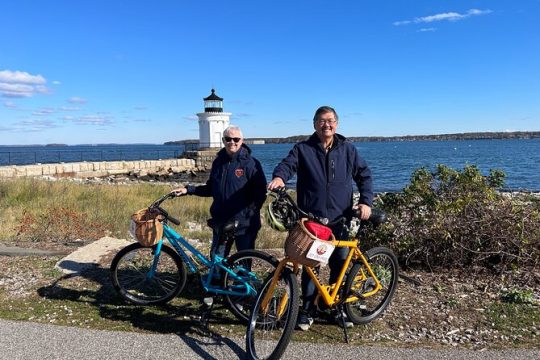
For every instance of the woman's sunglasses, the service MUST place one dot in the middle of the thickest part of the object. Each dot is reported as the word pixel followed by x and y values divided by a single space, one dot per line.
pixel 229 139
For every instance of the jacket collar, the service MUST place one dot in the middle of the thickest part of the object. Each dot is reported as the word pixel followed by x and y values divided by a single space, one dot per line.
pixel 338 139
pixel 243 153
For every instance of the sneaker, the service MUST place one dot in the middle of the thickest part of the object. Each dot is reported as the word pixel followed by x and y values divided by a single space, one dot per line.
pixel 304 321
pixel 343 319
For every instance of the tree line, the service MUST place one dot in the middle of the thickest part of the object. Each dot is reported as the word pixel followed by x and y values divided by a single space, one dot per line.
pixel 440 137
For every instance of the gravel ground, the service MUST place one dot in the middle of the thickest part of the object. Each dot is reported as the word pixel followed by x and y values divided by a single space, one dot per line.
pixel 451 309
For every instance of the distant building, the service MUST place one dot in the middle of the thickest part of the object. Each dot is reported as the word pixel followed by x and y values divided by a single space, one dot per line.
pixel 212 122
pixel 254 141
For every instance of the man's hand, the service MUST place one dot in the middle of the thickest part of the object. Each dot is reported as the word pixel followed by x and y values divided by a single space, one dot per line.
pixel 180 191
pixel 276 183
pixel 363 211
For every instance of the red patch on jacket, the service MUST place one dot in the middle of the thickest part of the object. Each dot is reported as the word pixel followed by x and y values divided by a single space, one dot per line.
pixel 239 172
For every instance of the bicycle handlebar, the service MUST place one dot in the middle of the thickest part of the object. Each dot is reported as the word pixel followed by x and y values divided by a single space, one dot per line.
pixel 377 216
pixel 156 206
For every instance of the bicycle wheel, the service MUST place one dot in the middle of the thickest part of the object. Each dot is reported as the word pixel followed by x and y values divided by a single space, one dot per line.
pixel 260 265
pixel 130 274
pixel 270 329
pixel 384 264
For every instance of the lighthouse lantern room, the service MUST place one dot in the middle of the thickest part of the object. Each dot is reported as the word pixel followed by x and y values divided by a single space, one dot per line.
pixel 212 122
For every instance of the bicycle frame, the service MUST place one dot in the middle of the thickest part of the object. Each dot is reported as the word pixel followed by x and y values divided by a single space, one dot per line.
pixel 329 293
pixel 179 244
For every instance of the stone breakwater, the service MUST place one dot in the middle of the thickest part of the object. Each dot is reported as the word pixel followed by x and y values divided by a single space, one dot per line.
pixel 139 169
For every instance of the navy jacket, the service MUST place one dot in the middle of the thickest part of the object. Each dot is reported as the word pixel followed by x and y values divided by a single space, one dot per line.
pixel 238 187
pixel 324 181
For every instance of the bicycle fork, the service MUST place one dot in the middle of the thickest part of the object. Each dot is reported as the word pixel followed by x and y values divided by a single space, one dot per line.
pixel 283 301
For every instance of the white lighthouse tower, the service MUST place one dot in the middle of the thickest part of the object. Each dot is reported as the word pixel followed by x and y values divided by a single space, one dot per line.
pixel 212 122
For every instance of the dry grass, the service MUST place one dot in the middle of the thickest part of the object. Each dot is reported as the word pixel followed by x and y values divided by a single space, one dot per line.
pixel 35 211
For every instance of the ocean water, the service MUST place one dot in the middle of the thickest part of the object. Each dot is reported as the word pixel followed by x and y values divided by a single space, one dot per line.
pixel 392 163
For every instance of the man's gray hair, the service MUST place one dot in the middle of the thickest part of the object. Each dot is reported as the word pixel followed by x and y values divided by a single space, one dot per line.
pixel 232 127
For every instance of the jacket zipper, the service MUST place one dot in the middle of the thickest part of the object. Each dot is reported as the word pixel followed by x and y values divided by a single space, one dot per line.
pixel 224 180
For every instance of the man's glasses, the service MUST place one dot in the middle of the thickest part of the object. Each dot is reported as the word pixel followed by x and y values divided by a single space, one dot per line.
pixel 329 122
pixel 229 139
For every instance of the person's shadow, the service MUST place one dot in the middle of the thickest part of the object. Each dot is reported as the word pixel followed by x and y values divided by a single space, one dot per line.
pixel 181 319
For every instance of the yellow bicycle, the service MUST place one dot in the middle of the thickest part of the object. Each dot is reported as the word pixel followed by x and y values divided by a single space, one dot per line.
pixel 363 290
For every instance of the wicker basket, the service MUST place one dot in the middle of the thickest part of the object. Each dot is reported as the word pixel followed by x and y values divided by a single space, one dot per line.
pixel 146 227
pixel 298 243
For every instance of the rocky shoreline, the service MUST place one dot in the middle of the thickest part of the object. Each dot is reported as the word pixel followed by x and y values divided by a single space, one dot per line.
pixel 199 175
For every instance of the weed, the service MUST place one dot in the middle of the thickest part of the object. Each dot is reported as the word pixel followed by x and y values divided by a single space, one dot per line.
pixel 518 296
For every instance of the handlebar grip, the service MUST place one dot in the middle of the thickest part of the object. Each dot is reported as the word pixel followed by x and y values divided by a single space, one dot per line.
pixel 377 217
pixel 173 220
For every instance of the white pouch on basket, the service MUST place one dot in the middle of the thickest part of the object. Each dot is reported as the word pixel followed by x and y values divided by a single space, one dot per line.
pixel 320 250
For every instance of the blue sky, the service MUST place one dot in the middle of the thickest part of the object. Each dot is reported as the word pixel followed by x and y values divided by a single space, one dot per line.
pixel 97 71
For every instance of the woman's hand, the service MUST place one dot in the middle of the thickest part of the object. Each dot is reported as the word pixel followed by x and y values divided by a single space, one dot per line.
pixel 180 191
pixel 276 183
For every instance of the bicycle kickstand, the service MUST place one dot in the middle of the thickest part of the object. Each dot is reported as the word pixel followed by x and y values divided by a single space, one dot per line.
pixel 208 304
pixel 342 319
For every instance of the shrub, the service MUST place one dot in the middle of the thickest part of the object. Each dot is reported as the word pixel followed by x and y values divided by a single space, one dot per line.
pixel 454 218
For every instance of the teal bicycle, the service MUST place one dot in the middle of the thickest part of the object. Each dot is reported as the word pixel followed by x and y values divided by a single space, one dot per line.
pixel 156 274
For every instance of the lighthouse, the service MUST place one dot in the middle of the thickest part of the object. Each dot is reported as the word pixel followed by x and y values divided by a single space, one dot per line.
pixel 212 122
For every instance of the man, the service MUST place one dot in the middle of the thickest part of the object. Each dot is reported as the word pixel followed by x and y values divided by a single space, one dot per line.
pixel 238 187
pixel 325 165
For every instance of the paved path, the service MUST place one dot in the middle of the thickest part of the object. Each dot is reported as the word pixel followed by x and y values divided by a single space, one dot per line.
pixel 26 340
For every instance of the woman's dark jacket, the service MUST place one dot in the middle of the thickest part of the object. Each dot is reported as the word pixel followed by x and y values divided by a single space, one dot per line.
pixel 238 187
pixel 324 180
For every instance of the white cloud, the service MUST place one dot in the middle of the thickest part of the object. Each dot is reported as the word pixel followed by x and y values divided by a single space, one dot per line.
pixel 427 29
pixel 76 100
pixel 93 120
pixel 10 105
pixel 16 90
pixel 240 115
pixel 43 112
pixel 21 77
pixel 403 22
pixel 69 108
pixel 32 126
pixel 448 16
pixel 20 84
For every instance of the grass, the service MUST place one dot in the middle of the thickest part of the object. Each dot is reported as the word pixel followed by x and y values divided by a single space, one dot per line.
pixel 513 320
pixel 35 210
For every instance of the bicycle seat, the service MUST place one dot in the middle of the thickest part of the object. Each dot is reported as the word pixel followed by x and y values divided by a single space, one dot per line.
pixel 227 227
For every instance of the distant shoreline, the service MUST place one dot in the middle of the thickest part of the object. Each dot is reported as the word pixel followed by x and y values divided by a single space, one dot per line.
pixel 440 137
pixel 297 138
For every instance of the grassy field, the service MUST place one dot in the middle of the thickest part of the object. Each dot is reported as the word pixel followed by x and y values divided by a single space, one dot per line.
pixel 464 308
pixel 37 211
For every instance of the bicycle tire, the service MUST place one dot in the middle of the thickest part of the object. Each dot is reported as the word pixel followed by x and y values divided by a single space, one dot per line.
pixel 260 263
pixel 384 264
pixel 268 334
pixel 129 270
